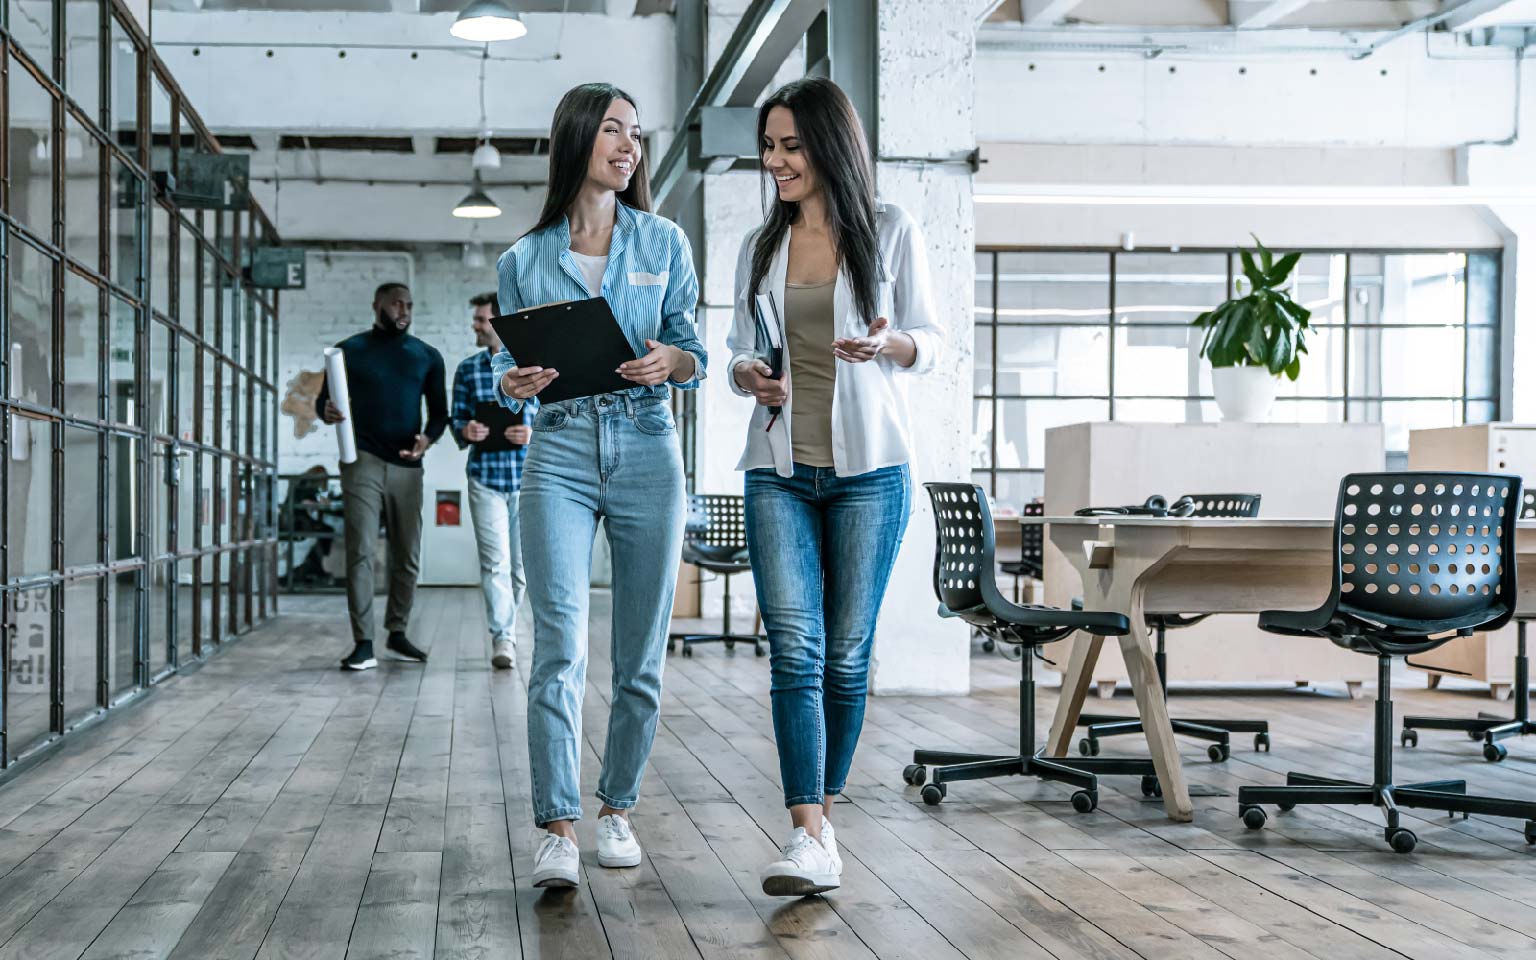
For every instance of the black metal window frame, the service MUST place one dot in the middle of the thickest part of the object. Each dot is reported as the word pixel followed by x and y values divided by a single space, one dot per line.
pixel 142 557
pixel 1470 406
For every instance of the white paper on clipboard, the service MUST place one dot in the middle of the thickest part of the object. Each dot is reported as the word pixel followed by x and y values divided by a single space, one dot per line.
pixel 768 314
pixel 336 380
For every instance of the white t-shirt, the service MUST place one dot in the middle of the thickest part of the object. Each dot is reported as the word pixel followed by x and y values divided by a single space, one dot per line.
pixel 592 268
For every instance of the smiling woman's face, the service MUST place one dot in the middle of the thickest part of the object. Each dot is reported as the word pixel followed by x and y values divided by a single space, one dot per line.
pixel 785 159
pixel 616 149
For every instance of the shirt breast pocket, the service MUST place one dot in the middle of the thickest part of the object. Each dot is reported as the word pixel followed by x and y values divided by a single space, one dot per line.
pixel 640 278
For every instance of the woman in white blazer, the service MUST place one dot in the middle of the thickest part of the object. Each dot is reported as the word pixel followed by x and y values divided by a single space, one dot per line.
pixel 836 283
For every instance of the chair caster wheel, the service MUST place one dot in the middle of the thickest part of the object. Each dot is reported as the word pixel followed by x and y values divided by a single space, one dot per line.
pixel 671 646
pixel 1409 738
pixel 1261 742
pixel 1088 747
pixel 1530 832
pixel 915 774
pixel 1474 734
pixel 1494 752
pixel 757 648
pixel 933 794
pixel 1286 807
pixel 1150 787
pixel 988 646
pixel 1013 653
pixel 687 650
pixel 1218 752
pixel 1401 839
pixel 1254 818
pixel 1085 801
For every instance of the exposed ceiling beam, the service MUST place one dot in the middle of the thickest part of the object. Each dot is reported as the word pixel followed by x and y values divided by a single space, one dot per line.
pixel 768 32
pixel 1045 13
pixel 1254 15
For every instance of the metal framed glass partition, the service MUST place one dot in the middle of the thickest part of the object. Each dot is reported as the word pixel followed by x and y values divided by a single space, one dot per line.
pixel 138 400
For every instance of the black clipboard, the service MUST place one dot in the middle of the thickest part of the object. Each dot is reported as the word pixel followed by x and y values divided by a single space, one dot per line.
pixel 497 418
pixel 581 339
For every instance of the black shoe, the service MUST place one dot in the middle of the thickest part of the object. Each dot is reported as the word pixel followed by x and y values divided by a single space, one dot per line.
pixel 403 648
pixel 361 657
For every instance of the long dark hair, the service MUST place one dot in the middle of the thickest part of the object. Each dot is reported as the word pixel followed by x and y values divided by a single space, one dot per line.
pixel 833 141
pixel 571 136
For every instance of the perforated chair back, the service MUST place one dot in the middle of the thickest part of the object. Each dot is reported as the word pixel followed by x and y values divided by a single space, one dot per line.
pixel 1032 542
pixel 1424 553
pixel 724 516
pixel 1528 505
pixel 1225 504
pixel 962 562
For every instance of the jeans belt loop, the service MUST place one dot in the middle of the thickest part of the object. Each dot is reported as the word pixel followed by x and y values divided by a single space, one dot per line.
pixel 629 405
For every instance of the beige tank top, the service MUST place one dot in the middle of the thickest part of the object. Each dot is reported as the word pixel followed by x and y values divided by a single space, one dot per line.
pixel 809 332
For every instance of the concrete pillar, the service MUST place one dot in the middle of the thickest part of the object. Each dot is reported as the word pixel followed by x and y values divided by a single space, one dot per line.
pixel 927 89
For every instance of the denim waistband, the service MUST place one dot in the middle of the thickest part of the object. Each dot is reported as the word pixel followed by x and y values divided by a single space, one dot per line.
pixel 606 403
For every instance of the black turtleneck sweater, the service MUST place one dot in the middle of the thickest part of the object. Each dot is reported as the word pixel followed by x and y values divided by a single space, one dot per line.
pixel 388 375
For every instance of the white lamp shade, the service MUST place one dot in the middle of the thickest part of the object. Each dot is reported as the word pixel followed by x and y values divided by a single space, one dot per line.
pixel 486 21
pixel 486 157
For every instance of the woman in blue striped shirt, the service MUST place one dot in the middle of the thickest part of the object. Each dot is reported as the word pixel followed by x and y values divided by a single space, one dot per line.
pixel 614 456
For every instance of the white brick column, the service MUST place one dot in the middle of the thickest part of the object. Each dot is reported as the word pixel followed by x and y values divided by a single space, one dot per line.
pixel 927 90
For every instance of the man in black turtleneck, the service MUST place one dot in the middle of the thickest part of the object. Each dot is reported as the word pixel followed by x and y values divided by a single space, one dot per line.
pixel 389 374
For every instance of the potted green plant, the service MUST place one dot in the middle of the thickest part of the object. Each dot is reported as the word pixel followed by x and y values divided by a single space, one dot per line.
pixel 1253 339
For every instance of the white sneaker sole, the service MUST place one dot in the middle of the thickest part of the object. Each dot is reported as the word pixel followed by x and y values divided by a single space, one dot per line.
pixel 799 884
pixel 555 878
pixel 361 665
pixel 627 860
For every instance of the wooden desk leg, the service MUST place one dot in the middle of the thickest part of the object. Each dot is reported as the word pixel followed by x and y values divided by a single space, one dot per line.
pixel 1074 688
pixel 1136 648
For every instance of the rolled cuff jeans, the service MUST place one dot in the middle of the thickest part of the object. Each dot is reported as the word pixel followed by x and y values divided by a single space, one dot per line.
pixel 495 516
pixel 822 549
pixel 617 458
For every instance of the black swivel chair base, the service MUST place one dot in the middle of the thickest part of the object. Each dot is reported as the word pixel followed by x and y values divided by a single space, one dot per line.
pixel 1218 732
pixel 949 766
pixel 1488 727
pixel 727 637
pixel 1448 795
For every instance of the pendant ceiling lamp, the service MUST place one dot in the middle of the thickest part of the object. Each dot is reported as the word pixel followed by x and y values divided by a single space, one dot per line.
pixel 477 205
pixel 486 21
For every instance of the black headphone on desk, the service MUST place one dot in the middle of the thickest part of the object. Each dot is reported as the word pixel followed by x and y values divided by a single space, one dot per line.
pixel 1155 506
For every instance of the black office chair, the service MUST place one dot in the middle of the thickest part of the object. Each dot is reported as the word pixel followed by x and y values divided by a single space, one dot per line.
pixel 1418 558
pixel 965 579
pixel 1490 727
pixel 1218 732
pixel 715 539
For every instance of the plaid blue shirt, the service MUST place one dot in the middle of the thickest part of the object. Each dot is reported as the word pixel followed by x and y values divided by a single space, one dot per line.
pixel 473 383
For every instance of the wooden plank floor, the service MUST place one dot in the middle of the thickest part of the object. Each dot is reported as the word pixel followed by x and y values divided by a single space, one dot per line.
pixel 268 805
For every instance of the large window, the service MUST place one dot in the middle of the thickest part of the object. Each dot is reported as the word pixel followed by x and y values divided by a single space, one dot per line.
pixel 1408 339
pixel 107 582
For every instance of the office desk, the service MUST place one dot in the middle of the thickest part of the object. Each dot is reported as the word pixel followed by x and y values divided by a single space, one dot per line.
pixel 1141 565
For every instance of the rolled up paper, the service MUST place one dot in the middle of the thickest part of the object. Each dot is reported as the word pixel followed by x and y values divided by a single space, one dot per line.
pixel 336 379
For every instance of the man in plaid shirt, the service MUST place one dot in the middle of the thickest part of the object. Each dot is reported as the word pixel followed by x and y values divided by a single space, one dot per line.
pixel 494 479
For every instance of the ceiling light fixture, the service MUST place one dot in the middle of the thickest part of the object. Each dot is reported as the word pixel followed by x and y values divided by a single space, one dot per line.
pixel 486 156
pixel 486 21
pixel 476 205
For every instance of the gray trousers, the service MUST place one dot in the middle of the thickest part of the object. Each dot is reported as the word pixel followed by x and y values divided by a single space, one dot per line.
pixel 371 487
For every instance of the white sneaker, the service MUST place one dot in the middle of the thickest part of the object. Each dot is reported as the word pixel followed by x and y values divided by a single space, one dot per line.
pixel 829 840
pixel 804 867
pixel 557 864
pixel 502 653
pixel 616 843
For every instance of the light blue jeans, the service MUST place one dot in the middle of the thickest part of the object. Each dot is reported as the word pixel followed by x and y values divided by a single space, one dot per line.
pixel 822 550
pixel 501 556
pixel 617 458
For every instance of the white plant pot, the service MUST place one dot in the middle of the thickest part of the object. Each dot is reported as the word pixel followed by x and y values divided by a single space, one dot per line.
pixel 1244 394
